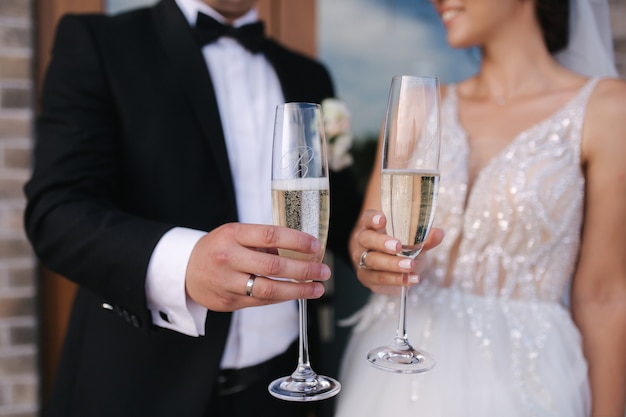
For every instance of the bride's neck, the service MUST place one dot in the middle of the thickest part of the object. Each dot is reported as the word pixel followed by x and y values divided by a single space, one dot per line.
pixel 507 73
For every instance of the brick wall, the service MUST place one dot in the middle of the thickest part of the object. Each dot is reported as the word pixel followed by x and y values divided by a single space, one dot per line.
pixel 18 341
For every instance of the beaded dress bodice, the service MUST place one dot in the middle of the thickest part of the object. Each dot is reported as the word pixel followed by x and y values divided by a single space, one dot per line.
pixel 518 230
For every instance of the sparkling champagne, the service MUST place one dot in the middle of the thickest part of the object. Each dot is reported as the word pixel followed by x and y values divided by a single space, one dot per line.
pixel 302 204
pixel 408 200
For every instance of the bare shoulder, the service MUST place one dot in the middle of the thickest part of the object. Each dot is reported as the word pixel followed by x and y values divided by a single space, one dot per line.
pixel 608 99
pixel 605 122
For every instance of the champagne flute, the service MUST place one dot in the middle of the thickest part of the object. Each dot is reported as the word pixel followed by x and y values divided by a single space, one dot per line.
pixel 301 201
pixel 409 185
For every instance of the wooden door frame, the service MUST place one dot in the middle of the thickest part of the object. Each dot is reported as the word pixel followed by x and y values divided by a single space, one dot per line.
pixel 293 23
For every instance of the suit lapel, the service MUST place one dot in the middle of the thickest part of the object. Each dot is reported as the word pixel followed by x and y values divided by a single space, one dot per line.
pixel 273 53
pixel 300 79
pixel 192 74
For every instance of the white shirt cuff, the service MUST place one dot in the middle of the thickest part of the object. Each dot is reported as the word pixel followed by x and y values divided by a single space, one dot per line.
pixel 168 302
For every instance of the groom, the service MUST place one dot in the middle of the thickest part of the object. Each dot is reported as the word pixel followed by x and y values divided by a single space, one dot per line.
pixel 150 190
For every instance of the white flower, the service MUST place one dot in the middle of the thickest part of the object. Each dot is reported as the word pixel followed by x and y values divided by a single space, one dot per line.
pixel 337 127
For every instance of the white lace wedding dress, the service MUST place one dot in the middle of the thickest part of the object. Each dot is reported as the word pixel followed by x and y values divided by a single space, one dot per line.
pixel 504 341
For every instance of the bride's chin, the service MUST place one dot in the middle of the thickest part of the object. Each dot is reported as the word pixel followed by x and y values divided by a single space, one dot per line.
pixel 459 42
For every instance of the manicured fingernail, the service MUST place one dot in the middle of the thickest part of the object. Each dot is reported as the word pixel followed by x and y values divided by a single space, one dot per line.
pixel 325 272
pixel 318 291
pixel 376 219
pixel 405 264
pixel 414 279
pixel 391 244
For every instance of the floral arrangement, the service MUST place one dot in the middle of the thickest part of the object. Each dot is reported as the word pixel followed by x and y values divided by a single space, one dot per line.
pixel 337 126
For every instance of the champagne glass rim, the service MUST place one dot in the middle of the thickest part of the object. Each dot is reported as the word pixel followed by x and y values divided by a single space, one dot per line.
pixel 299 104
pixel 425 77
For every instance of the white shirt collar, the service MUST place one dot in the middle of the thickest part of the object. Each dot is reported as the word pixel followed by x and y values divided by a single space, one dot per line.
pixel 190 9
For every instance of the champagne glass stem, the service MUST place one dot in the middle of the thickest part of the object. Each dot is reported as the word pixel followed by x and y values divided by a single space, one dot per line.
pixel 303 349
pixel 303 373
pixel 401 340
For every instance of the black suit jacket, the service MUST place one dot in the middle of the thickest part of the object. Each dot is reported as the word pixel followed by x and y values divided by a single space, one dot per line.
pixel 130 145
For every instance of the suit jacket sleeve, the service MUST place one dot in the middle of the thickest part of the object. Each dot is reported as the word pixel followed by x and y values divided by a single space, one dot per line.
pixel 73 219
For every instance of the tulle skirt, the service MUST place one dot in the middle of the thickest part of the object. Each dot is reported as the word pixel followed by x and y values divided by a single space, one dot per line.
pixel 495 358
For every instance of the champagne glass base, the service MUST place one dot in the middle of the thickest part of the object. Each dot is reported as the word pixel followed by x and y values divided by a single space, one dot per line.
pixel 316 388
pixel 403 361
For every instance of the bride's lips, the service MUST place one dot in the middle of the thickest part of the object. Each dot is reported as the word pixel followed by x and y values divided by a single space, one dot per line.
pixel 448 15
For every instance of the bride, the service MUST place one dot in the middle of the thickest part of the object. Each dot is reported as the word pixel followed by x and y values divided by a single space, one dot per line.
pixel 523 304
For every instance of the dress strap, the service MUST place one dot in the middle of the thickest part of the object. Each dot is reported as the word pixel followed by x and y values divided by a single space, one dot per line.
pixel 578 112
pixel 587 89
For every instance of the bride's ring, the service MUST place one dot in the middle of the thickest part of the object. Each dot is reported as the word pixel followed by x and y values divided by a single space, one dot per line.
pixel 250 284
pixel 362 260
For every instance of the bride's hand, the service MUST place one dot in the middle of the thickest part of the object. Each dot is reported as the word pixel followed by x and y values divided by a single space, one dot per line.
pixel 374 254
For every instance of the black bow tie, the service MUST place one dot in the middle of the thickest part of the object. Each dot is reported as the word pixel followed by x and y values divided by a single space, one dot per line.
pixel 208 30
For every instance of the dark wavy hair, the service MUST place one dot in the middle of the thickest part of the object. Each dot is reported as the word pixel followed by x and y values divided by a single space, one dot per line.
pixel 553 16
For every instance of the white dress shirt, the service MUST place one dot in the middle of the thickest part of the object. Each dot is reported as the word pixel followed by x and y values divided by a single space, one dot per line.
pixel 247 91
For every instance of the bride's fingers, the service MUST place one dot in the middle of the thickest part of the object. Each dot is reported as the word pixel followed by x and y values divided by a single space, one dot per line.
pixel 435 237
pixel 380 269
pixel 372 259
pixel 373 220
pixel 379 252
